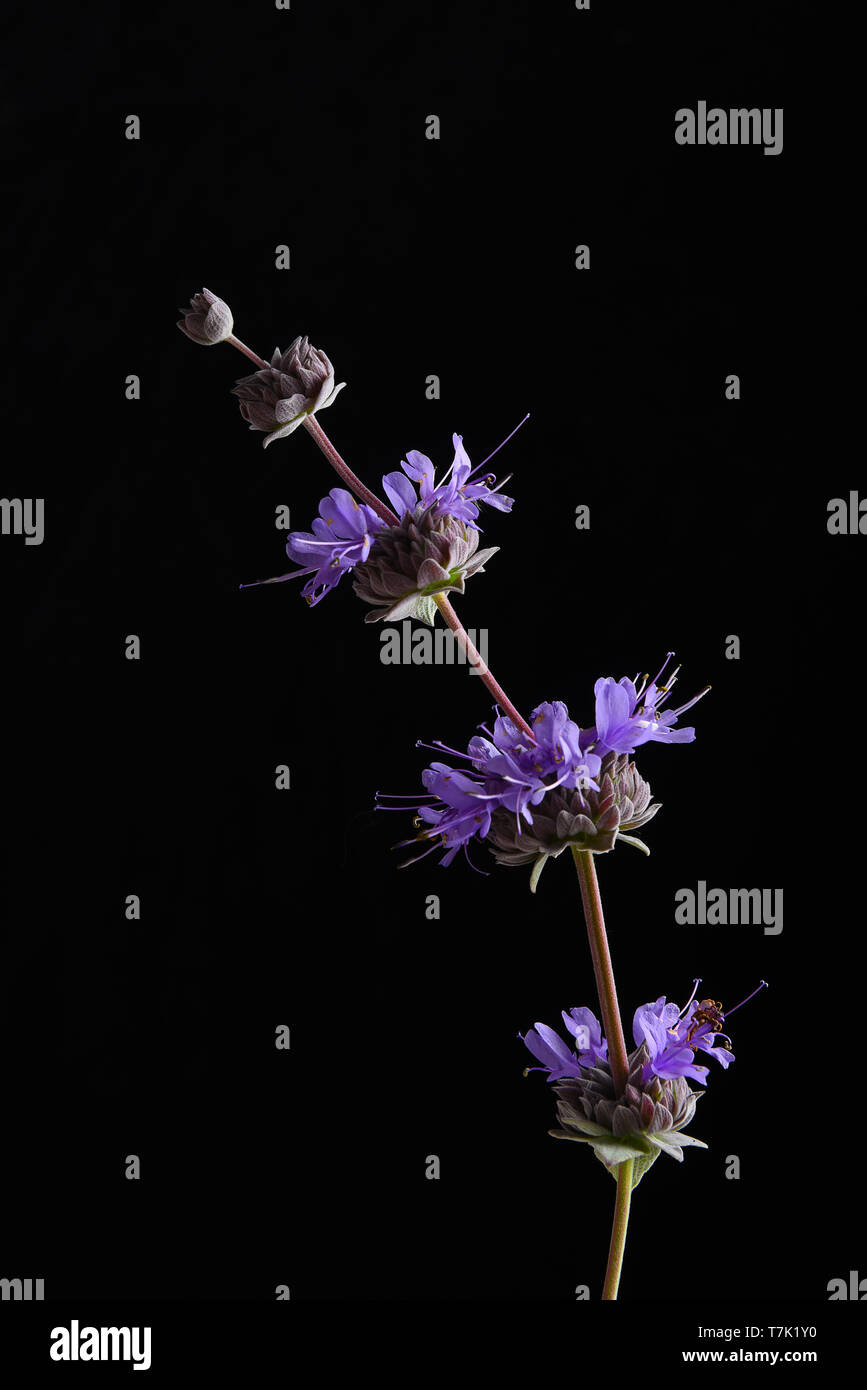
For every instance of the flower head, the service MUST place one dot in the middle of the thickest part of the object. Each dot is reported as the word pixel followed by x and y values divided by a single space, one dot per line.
pixel 507 772
pixel 277 398
pixel 432 549
pixel 208 320
pixel 656 1104
pixel 587 791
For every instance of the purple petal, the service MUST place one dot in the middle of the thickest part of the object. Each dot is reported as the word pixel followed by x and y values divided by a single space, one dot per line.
pixel 401 493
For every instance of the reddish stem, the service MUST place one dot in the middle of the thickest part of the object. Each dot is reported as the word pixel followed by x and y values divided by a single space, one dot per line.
pixel 475 658
pixel 602 967
pixel 315 430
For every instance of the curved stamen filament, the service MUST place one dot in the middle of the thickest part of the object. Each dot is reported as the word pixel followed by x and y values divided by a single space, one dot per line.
pixel 763 984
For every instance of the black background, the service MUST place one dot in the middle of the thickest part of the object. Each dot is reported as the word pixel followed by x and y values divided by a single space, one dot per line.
pixel 259 908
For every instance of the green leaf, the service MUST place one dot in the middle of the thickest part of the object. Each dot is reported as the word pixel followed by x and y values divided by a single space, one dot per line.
pixel 425 610
pixel 611 1150
pixel 633 840
pixel 642 1164
pixel 537 869
pixel 439 586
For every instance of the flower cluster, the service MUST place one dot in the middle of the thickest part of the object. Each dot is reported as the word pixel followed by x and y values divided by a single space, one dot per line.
pixel 433 549
pixel 587 792
pixel 647 1118
pixel 506 771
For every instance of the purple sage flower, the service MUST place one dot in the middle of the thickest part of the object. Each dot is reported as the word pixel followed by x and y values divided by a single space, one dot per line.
pixel 342 536
pixel 647 1115
pixel 506 770
pixel 531 769
pixel 557 1058
pixel 627 717
pixel 457 495
pixel 672 1036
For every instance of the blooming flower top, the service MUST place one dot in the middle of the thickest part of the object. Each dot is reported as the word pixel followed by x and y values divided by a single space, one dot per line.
pixel 455 496
pixel 627 717
pixel 433 548
pixel 587 793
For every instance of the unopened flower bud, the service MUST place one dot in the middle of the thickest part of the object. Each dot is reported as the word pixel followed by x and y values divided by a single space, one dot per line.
pixel 298 382
pixel 208 320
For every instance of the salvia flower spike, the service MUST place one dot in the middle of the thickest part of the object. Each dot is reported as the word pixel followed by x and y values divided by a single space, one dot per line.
pixel 527 790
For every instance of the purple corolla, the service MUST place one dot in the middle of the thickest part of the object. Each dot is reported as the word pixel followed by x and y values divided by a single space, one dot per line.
pixel 627 717
pixel 342 536
pixel 456 495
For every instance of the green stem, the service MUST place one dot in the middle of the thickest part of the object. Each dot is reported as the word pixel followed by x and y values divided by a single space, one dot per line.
pixel 605 987
pixel 618 1230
